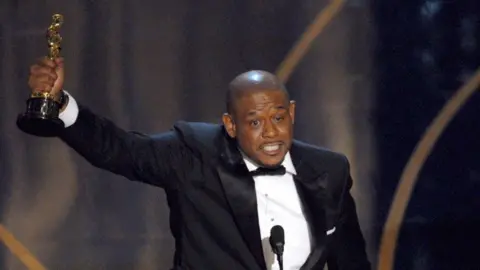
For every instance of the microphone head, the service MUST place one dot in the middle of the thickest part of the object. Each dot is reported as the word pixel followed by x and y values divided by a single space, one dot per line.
pixel 277 239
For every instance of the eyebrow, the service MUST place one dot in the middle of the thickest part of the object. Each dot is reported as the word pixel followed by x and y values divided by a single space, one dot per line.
pixel 254 112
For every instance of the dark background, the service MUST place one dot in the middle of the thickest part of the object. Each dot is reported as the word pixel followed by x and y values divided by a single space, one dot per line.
pixel 427 50
pixel 369 86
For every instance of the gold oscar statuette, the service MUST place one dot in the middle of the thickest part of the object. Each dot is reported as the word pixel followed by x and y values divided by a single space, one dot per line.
pixel 41 116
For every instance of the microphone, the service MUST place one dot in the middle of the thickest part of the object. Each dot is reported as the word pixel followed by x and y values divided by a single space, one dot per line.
pixel 277 242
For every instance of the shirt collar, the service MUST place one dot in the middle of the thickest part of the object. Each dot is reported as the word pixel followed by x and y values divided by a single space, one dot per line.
pixel 287 163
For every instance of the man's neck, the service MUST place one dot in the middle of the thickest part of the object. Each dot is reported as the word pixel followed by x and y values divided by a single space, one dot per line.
pixel 252 165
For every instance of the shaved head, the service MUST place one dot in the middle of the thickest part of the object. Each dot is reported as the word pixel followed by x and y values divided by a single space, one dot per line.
pixel 250 81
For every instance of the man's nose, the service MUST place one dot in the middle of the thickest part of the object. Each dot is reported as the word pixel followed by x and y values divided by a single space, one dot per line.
pixel 269 130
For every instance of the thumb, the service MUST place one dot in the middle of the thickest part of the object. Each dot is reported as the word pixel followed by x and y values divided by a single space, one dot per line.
pixel 58 85
pixel 59 61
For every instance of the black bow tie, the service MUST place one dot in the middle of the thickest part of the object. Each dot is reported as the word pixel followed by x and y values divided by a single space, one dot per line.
pixel 280 170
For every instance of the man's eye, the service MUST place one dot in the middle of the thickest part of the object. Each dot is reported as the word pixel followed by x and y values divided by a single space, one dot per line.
pixel 254 123
pixel 278 118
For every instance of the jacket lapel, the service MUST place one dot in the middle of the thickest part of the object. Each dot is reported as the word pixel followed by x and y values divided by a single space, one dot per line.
pixel 239 189
pixel 310 182
pixel 212 144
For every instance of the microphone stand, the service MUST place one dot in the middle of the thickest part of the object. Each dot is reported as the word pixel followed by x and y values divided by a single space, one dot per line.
pixel 280 261
pixel 279 252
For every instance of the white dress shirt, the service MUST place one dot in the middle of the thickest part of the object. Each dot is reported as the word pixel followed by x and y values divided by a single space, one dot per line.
pixel 70 113
pixel 278 203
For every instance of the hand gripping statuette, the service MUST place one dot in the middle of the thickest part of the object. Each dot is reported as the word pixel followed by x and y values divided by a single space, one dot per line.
pixel 41 116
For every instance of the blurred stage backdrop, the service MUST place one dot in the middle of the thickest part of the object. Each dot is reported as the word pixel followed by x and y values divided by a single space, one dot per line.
pixel 369 85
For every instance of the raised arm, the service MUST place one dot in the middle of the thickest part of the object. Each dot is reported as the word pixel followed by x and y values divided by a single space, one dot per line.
pixel 136 156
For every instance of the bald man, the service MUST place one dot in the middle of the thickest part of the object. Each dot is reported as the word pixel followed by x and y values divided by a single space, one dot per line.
pixel 229 185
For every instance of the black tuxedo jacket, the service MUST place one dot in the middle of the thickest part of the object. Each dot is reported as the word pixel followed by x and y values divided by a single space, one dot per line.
pixel 213 212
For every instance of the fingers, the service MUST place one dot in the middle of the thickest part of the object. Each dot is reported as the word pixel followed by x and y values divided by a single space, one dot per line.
pixel 41 82
pixel 43 71
pixel 44 74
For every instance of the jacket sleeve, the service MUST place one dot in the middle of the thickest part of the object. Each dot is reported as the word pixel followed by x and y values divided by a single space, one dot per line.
pixel 136 156
pixel 348 248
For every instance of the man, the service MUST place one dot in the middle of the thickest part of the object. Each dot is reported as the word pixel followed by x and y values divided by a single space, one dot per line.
pixel 228 185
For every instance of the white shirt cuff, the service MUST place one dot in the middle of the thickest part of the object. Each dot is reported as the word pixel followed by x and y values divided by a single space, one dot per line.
pixel 70 113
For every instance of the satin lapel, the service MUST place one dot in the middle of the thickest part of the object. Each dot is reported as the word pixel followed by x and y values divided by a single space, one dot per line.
pixel 239 189
pixel 310 183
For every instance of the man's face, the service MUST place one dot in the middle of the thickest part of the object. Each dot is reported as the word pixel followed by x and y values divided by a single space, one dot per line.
pixel 262 123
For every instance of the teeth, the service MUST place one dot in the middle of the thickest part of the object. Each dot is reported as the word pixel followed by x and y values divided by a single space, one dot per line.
pixel 269 148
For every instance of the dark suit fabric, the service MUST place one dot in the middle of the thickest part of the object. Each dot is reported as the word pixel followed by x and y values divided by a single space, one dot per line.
pixel 213 212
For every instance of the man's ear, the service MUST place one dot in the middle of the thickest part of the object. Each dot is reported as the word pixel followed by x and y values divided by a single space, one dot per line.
pixel 229 125
pixel 291 110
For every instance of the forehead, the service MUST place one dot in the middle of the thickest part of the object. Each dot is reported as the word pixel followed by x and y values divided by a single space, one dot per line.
pixel 259 100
